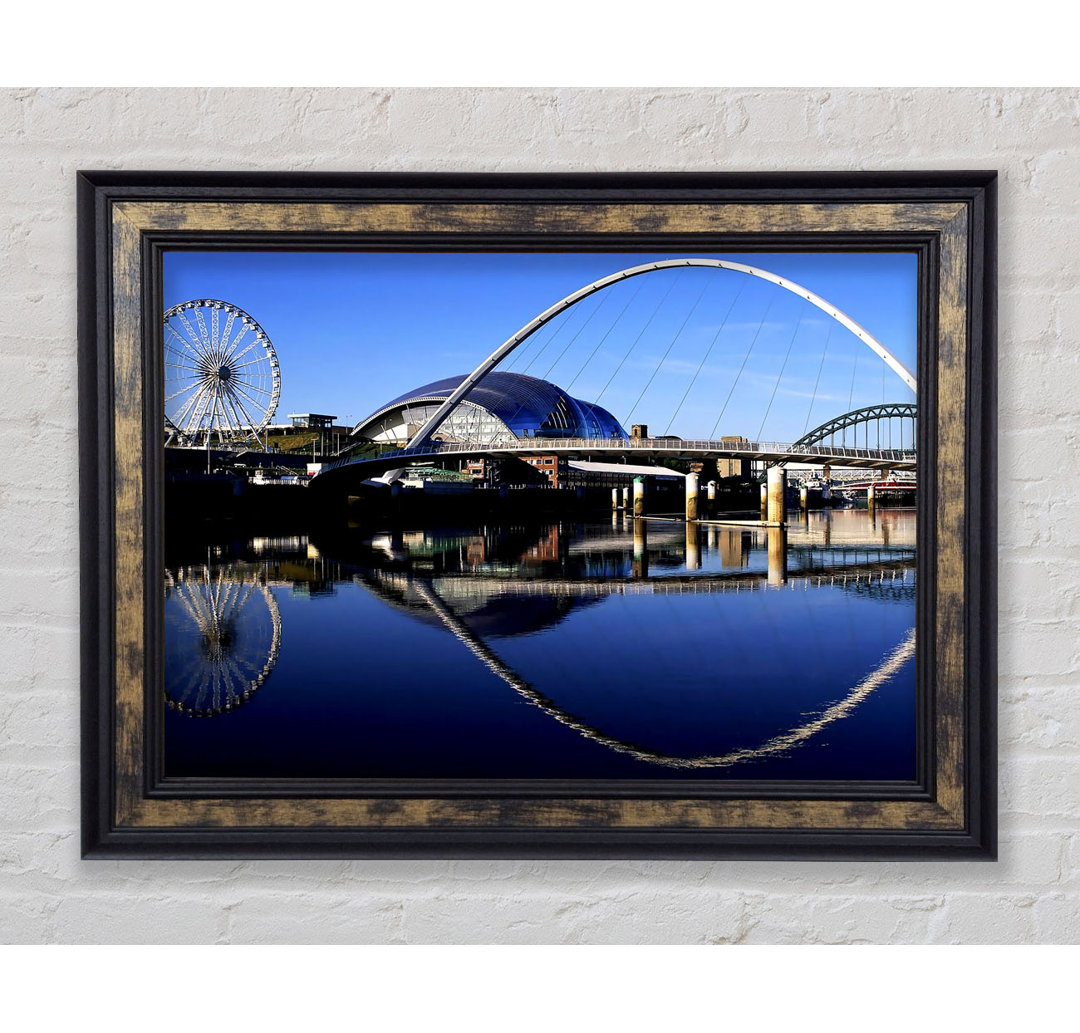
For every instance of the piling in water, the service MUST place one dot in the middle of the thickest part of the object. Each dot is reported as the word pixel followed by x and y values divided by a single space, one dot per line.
pixel 777 491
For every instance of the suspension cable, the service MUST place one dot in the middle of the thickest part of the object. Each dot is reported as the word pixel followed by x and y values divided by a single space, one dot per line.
pixel 738 376
pixel 716 337
pixel 641 332
pixel 518 358
pixel 678 334
pixel 548 343
pixel 603 301
pixel 610 330
pixel 817 380
pixel 780 376
pixel 596 309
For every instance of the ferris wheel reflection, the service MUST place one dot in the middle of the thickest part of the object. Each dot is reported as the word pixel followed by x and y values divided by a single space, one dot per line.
pixel 223 636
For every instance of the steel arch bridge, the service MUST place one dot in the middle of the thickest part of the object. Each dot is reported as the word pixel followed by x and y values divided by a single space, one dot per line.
pixel 424 434
pixel 857 417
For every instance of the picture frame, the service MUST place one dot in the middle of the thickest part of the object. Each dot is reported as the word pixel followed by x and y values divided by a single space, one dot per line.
pixel 129 220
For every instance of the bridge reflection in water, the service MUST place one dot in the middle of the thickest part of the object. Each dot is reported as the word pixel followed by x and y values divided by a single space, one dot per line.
pixel 622 649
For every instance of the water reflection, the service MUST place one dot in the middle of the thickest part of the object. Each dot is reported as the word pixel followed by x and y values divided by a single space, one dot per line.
pixel 670 648
pixel 223 630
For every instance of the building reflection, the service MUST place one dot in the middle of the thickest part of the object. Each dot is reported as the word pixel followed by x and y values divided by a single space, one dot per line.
pixel 517 580
pixel 630 549
pixel 497 582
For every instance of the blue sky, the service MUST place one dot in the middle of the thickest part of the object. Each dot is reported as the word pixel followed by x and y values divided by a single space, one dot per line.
pixel 695 352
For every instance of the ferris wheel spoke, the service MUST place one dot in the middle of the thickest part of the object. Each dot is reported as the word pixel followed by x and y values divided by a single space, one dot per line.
pixel 243 597
pixel 195 422
pixel 216 588
pixel 236 399
pixel 189 328
pixel 199 695
pixel 208 598
pixel 219 408
pixel 194 684
pixel 254 425
pixel 259 405
pixel 243 419
pixel 188 358
pixel 204 685
pixel 188 675
pixel 227 603
pixel 183 409
pixel 257 345
pixel 203 335
pixel 238 339
pixel 185 360
pixel 214 423
pixel 228 399
pixel 251 398
pixel 194 416
pixel 182 391
pixel 200 412
pixel 234 354
pixel 190 346
pixel 188 606
pixel 253 384
pixel 231 590
pixel 197 602
pixel 185 366
pixel 186 413
pixel 237 677
pixel 214 327
pixel 222 687
pixel 229 416
pixel 253 362
pixel 241 334
pixel 215 688
pixel 246 667
pixel 224 338
pixel 221 347
pixel 238 682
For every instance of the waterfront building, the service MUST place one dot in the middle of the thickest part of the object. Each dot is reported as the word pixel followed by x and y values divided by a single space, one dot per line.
pixel 552 467
pixel 734 467
pixel 502 407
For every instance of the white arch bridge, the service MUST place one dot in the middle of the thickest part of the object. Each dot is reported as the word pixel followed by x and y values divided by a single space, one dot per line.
pixel 422 446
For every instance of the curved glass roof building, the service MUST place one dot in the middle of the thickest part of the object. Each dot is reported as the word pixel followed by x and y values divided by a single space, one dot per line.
pixel 501 407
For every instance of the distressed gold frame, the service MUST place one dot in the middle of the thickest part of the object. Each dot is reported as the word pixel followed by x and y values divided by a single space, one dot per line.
pixel 127 219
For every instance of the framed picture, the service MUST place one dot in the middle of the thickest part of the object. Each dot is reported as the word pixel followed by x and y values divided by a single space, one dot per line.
pixel 538 515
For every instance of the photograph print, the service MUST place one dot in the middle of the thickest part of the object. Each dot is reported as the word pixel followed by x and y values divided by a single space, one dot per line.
pixel 540 516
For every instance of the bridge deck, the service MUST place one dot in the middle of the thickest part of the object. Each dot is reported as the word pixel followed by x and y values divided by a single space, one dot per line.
pixel 638 448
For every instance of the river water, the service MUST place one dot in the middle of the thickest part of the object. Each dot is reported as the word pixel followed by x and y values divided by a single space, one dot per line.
pixel 614 649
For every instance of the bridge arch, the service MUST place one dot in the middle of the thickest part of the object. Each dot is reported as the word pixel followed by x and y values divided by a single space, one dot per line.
pixel 869 414
pixel 436 419
pixel 892 662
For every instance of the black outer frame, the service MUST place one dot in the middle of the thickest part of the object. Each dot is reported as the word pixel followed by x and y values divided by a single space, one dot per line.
pixel 98 190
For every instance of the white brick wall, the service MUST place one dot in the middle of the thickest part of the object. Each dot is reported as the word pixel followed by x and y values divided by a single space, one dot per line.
pixel 1031 895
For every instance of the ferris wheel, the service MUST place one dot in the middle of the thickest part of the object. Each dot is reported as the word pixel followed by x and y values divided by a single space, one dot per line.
pixel 222 377
pixel 222 638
